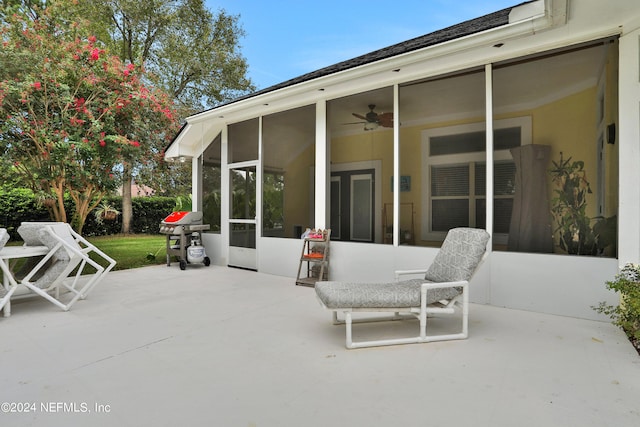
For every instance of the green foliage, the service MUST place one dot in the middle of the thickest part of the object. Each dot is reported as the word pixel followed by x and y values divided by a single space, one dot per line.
pixel 627 314
pixel 192 52
pixel 105 212
pixel 19 205
pixel 574 229
pixel 76 113
pixel 273 201
pixel 148 212
pixel 211 196
pixel 183 203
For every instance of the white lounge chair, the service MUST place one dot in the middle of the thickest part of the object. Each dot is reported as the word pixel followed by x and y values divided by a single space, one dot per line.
pixel 443 287
pixel 9 284
pixel 69 253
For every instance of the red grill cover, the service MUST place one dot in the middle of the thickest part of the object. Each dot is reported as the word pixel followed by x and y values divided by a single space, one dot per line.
pixel 175 217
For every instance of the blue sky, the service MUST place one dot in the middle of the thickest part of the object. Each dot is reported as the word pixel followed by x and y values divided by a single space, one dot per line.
pixel 285 39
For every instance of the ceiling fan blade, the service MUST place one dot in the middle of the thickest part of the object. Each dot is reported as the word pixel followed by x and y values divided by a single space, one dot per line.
pixel 360 116
pixel 353 123
pixel 386 120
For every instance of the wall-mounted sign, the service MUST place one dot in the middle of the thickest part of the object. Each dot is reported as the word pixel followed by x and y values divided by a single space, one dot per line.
pixel 405 183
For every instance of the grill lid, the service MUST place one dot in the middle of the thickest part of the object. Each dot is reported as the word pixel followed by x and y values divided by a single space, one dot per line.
pixel 183 218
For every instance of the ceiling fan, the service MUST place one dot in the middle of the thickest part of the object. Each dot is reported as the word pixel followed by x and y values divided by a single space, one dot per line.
pixel 372 119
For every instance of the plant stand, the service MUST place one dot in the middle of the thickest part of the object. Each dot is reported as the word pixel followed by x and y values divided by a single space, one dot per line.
pixel 315 258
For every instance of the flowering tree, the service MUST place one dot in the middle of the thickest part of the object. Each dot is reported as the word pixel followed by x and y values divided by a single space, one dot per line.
pixel 71 114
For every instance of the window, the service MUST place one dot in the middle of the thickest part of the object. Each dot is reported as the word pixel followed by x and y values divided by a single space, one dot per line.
pixel 454 170
pixel 361 130
pixel 211 185
pixel 288 157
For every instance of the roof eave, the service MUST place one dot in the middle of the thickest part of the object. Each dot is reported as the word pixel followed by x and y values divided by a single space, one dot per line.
pixel 528 18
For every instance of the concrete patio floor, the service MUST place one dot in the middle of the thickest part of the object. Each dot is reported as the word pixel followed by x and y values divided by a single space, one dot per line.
pixel 213 346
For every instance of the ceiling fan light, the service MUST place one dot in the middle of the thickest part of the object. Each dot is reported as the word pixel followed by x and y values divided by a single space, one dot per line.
pixel 370 126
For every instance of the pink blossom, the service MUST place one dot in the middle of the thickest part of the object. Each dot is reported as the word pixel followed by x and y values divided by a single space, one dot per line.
pixel 102 143
pixel 37 85
pixel 95 54
pixel 92 39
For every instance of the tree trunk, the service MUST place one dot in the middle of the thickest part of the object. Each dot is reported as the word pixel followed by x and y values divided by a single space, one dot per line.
pixel 59 212
pixel 127 207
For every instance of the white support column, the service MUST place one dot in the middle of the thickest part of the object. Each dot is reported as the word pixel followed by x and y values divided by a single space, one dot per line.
pixel 196 175
pixel 396 166
pixel 196 182
pixel 629 149
pixel 224 194
pixel 489 155
pixel 323 154
pixel 259 180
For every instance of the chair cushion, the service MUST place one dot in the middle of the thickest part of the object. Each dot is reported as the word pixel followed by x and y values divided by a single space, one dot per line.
pixel 459 255
pixel 403 294
pixel 4 237
pixel 50 241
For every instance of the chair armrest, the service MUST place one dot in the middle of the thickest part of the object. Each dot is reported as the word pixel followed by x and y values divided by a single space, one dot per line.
pixel 438 285
pixel 409 272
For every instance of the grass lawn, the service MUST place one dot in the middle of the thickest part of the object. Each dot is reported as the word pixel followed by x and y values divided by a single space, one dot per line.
pixel 133 251
pixel 129 251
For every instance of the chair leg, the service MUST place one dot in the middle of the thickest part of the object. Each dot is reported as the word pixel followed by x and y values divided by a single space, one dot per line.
pixel 45 295
pixel 423 325
pixel 348 322
pixel 465 313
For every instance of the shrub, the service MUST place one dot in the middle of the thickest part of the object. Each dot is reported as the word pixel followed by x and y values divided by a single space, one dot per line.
pixel 627 313
pixel 147 214
pixel 19 205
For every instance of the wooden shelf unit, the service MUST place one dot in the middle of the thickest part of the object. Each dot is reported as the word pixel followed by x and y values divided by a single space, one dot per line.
pixel 314 258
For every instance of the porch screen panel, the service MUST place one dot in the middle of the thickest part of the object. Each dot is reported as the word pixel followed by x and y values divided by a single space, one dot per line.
pixel 243 141
pixel 504 190
pixel 243 193
pixel 212 186
pixel 442 135
pixel 288 140
pixel 568 115
pixel 450 197
pixel 336 198
pixel 361 208
pixel 360 128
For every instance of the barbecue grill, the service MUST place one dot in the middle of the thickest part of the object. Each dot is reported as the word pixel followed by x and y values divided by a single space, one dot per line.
pixel 184 228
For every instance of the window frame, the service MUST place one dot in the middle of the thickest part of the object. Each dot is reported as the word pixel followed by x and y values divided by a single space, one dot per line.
pixel 468 158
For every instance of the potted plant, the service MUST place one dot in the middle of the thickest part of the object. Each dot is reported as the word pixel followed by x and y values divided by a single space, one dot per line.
pixel 105 212
pixel 576 235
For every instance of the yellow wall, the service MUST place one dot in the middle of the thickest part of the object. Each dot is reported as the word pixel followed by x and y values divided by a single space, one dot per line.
pixel 567 125
pixel 297 185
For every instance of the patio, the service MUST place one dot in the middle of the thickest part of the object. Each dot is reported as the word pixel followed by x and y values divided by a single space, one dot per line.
pixel 225 347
